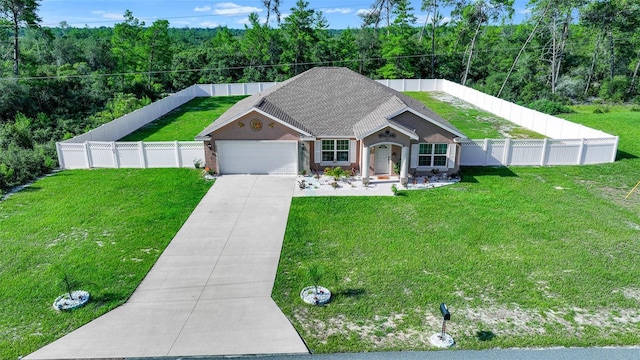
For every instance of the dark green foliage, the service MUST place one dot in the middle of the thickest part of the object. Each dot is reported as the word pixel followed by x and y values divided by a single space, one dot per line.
pixel 73 79
pixel 28 151
pixel 550 107
pixel 615 89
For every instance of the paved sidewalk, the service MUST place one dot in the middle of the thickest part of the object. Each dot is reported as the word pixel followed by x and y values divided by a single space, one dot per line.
pixel 611 353
pixel 210 291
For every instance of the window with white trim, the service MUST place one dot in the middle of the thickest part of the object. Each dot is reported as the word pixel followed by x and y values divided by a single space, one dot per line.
pixel 432 155
pixel 335 150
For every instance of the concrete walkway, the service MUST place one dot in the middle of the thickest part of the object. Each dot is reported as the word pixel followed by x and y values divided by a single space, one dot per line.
pixel 611 353
pixel 210 291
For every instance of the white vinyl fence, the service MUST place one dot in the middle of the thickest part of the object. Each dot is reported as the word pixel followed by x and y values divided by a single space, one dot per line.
pixel 498 152
pixel 102 154
pixel 569 143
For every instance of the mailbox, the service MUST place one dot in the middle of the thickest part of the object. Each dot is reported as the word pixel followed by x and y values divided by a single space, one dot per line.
pixel 445 312
pixel 442 339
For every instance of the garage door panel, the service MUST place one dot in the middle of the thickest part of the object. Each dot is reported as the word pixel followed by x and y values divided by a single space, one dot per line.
pixel 257 157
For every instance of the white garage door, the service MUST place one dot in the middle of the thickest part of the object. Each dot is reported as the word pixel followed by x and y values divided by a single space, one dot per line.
pixel 257 157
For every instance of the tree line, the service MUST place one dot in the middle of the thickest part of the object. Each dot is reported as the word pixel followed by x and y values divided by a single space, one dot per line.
pixel 57 82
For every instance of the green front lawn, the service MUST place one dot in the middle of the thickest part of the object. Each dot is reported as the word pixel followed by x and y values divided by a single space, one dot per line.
pixel 184 123
pixel 104 229
pixel 523 257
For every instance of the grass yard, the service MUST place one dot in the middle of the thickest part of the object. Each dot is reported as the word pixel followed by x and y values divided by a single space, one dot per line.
pixel 186 122
pixel 104 229
pixel 523 257
pixel 473 122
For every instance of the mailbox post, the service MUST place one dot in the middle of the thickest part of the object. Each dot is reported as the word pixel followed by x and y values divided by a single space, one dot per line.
pixel 442 339
pixel 446 316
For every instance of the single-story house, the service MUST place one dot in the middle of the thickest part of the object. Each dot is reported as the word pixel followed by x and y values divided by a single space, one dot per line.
pixel 328 117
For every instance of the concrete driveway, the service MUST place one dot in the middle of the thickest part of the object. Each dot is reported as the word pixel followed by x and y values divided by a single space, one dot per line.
pixel 210 291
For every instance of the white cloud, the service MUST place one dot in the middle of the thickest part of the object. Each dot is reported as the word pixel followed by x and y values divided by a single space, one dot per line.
pixel 420 19
pixel 338 10
pixel 229 8
pixel 524 11
pixel 245 21
pixel 206 8
pixel 364 12
pixel 209 24
pixel 108 15
pixel 113 16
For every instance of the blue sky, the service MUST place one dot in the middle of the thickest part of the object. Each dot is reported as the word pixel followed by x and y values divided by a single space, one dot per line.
pixel 205 13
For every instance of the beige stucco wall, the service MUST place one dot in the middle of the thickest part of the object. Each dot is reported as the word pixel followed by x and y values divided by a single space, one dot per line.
pixel 427 132
pixel 241 130
pixel 315 163
pixel 273 130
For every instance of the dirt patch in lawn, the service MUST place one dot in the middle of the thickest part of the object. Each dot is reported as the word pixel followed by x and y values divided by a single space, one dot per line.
pixel 504 127
pixel 402 331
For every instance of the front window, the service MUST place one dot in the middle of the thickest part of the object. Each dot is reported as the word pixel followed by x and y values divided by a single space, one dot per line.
pixel 425 154
pixel 432 155
pixel 335 150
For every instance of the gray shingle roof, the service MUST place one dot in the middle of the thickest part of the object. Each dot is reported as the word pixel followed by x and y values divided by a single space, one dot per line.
pixel 329 101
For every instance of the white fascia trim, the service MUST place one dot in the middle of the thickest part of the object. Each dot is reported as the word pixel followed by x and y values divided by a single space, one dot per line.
pixel 202 138
pixel 331 137
pixel 394 127
pixel 425 118
pixel 307 138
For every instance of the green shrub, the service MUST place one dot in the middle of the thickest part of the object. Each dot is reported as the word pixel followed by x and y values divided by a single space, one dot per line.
pixel 550 107
pixel 601 110
pixel 336 172
pixel 614 89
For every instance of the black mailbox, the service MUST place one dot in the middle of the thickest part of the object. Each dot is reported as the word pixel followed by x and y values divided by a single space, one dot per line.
pixel 445 312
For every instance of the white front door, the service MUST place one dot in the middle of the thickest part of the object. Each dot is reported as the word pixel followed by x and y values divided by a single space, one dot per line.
pixel 382 159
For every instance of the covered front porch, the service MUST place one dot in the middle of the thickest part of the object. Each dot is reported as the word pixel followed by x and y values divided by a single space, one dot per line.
pixel 385 161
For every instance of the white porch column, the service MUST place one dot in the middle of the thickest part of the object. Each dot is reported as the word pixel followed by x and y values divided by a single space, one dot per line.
pixel 364 169
pixel 404 166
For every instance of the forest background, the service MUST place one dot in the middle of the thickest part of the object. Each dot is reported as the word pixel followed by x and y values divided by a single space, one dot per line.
pixel 58 82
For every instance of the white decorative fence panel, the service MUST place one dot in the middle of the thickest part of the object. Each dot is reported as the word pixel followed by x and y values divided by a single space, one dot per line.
pixel 232 89
pixel 130 154
pixel 532 152
pixel 98 154
pixel 598 151
pixel 526 152
pixel 96 148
